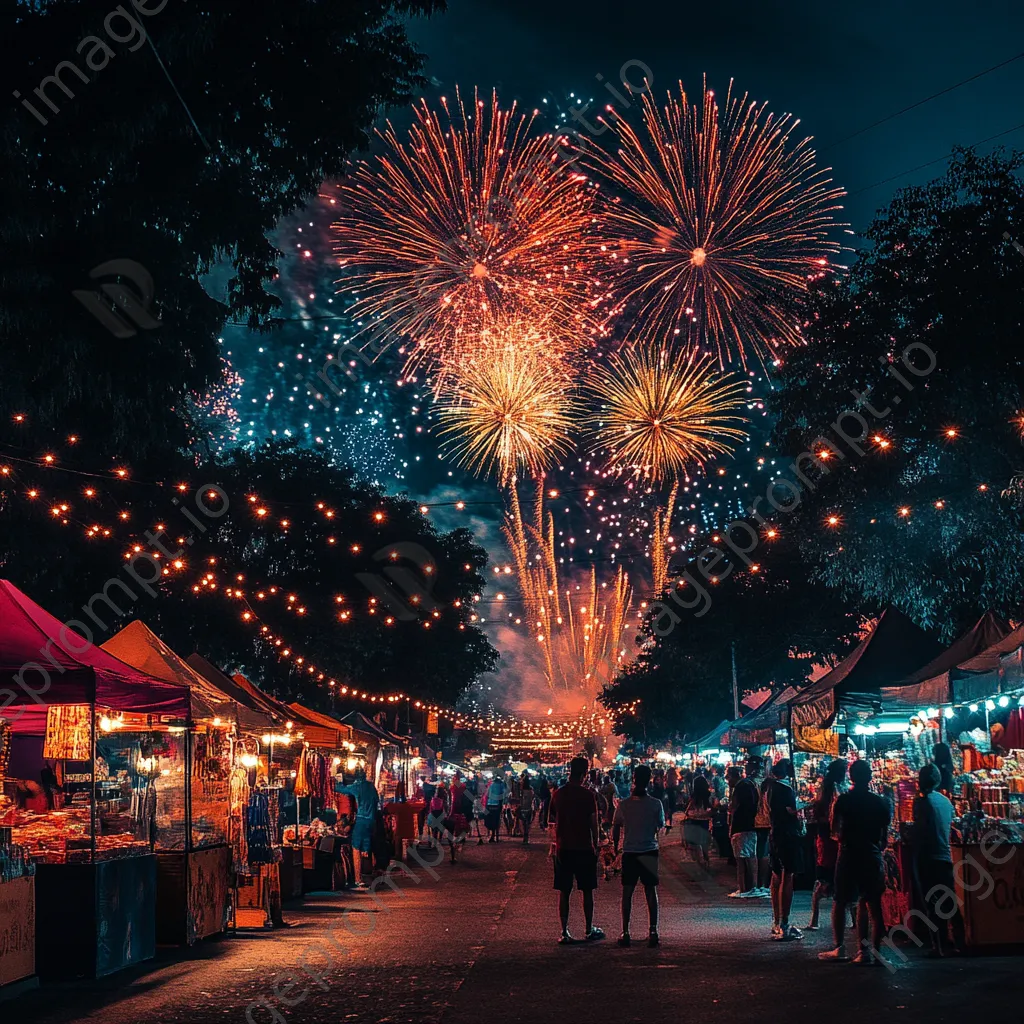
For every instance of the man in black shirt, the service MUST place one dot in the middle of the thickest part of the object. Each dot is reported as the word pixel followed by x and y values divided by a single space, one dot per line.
pixel 743 801
pixel 860 821
pixel 786 848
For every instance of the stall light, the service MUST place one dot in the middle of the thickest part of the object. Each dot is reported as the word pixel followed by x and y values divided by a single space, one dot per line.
pixel 894 727
pixel 351 763
pixel 990 705
pixel 949 712
pixel 216 721
pixel 932 713
pixel 864 730
pixel 1020 703
pixel 248 760
pixel 335 762
pixel 106 724
pixel 1004 701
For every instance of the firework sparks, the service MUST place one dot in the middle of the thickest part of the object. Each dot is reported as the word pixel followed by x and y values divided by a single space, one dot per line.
pixel 663 412
pixel 509 412
pixel 579 628
pixel 469 218
pixel 724 223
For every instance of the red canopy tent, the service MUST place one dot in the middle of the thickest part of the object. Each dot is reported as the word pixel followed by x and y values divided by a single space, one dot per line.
pixel 44 662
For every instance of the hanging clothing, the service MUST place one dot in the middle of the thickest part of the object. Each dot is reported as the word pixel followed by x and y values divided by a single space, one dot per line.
pixel 239 793
pixel 258 836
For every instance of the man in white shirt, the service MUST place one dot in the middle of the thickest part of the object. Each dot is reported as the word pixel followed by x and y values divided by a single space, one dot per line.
pixel 642 817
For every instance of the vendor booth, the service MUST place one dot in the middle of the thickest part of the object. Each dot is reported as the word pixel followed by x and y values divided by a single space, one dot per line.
pixel 95 773
pixel 193 864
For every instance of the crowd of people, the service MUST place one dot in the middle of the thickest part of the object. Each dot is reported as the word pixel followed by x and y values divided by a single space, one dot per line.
pixel 613 823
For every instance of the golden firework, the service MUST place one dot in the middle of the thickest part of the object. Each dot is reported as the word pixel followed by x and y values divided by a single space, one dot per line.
pixel 469 218
pixel 723 224
pixel 509 411
pixel 663 411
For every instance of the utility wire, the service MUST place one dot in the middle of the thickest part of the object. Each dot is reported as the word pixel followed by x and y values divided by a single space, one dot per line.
pixel 920 103
pixel 929 163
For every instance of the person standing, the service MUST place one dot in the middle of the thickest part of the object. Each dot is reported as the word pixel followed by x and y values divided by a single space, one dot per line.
pixel 697 822
pixel 742 814
pixel 756 770
pixel 527 806
pixel 826 849
pixel 672 791
pixel 609 798
pixel 576 844
pixel 933 859
pixel 427 793
pixel 544 800
pixel 860 821
pixel 786 849
pixel 641 818
pixel 494 802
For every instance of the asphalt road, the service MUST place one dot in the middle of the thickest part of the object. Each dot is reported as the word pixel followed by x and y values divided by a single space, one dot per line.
pixel 475 942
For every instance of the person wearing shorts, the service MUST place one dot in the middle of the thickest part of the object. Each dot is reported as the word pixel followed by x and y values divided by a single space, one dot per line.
pixel 576 843
pixel 743 803
pixel 641 818
pixel 860 820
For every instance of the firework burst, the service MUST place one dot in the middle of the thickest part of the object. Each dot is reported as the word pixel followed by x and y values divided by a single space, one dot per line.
pixel 662 412
pixel 723 223
pixel 509 412
pixel 469 218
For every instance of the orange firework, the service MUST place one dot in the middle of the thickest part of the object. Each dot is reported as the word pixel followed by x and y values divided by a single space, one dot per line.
pixel 723 224
pixel 468 218
pixel 662 412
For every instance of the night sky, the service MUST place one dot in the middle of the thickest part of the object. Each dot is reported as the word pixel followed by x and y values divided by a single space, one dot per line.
pixel 838 69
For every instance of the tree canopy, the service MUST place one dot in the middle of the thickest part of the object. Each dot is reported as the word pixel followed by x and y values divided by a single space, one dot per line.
pixel 176 135
pixel 929 518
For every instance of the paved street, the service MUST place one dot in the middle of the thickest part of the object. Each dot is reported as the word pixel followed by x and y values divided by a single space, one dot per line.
pixel 478 944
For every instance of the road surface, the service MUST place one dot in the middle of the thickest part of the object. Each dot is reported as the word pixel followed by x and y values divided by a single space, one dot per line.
pixel 475 942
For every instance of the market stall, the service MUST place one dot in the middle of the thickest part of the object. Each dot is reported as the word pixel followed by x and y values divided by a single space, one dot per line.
pixel 96 764
pixel 194 862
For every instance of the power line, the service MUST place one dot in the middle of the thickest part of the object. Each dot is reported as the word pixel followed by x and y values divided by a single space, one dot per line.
pixel 929 163
pixel 920 103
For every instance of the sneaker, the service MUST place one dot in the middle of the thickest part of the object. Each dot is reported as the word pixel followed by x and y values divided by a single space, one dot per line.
pixel 793 934
pixel 834 956
pixel 595 934
pixel 750 894
pixel 653 940
pixel 761 890
pixel 624 940
pixel 567 940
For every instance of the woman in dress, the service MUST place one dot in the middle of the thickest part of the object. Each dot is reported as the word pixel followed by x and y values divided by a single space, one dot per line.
pixel 697 821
